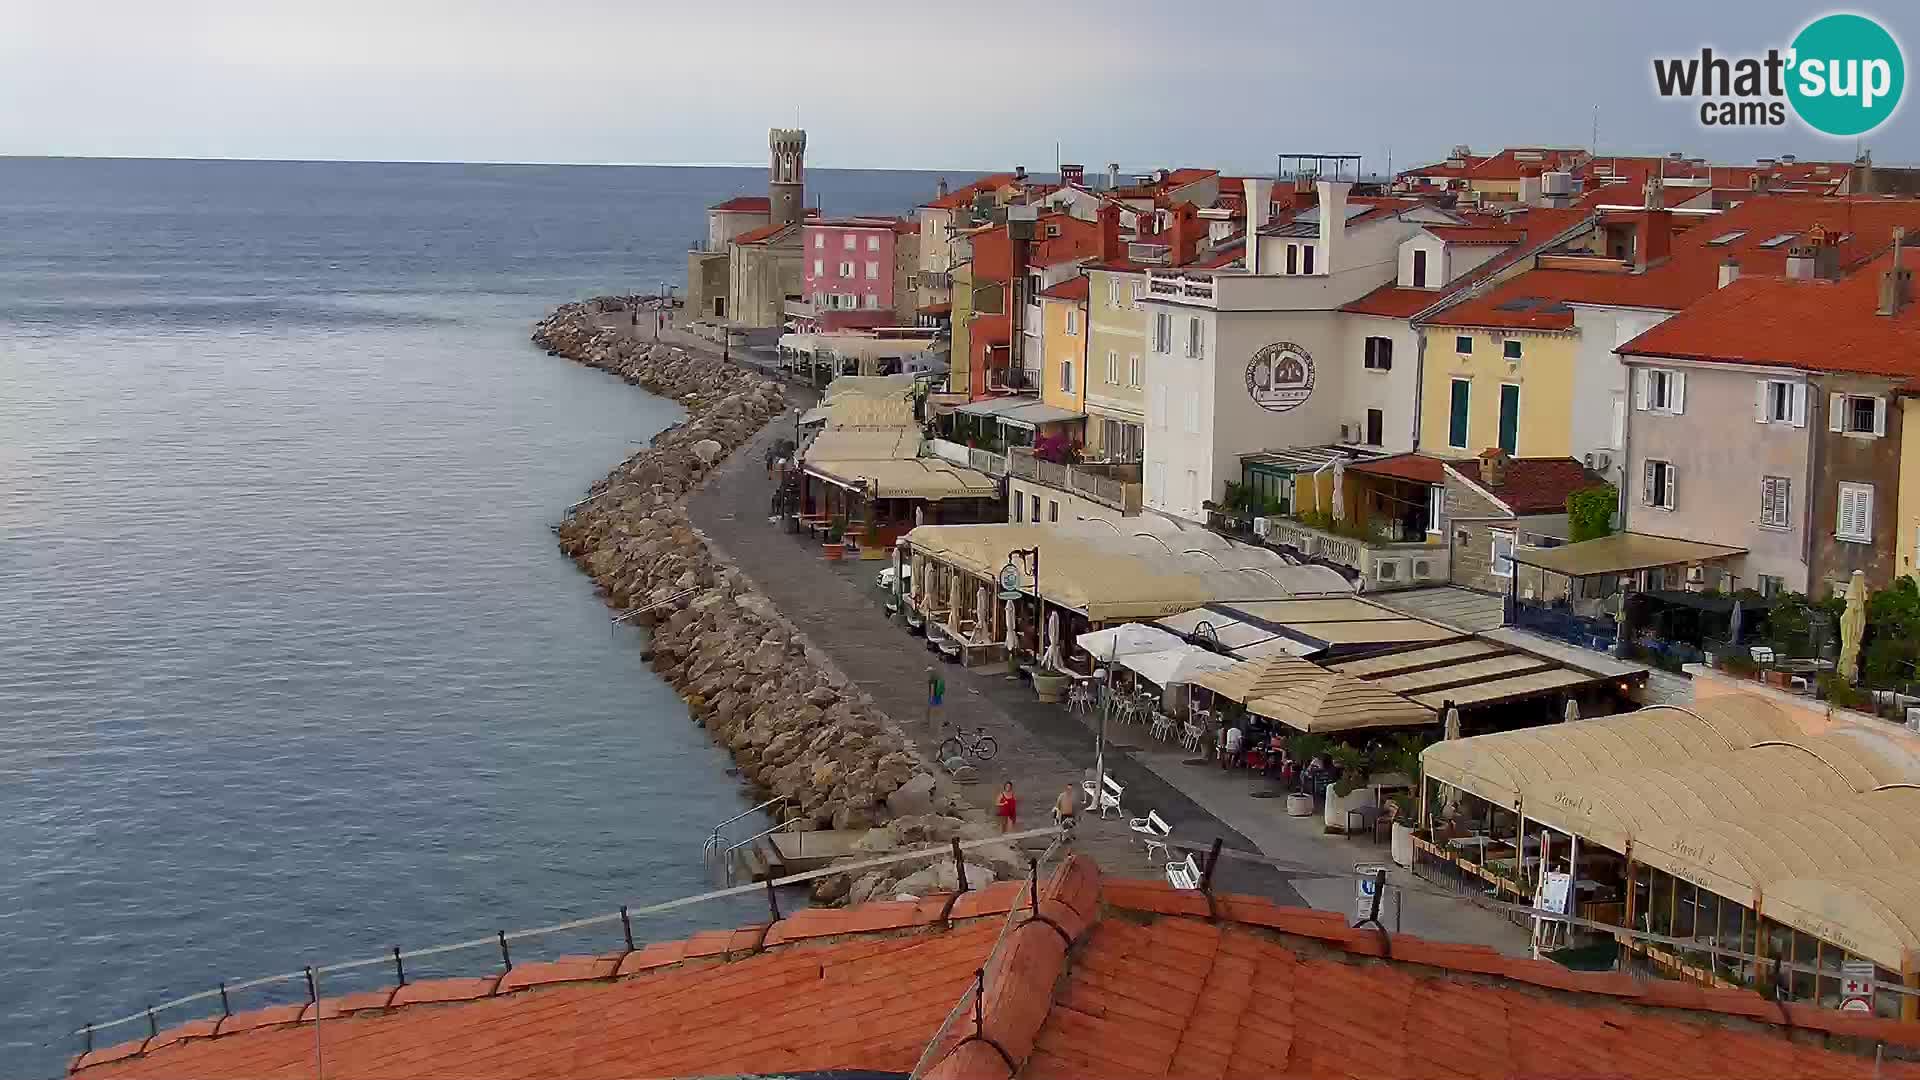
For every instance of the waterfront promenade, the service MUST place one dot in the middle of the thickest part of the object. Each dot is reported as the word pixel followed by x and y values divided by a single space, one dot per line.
pixel 1042 747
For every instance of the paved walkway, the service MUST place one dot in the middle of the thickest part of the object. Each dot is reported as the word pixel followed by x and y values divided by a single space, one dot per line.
pixel 1043 747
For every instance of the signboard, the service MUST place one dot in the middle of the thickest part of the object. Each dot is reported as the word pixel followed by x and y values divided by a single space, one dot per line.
pixel 1010 581
pixel 1555 892
pixel 1280 377
pixel 1364 886
pixel 1856 986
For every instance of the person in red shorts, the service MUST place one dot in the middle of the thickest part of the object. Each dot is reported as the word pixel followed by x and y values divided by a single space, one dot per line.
pixel 1006 806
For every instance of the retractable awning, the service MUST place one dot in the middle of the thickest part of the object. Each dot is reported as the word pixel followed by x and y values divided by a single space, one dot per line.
pixel 1621 553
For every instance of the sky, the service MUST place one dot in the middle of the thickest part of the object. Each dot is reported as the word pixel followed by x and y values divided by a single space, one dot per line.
pixel 984 84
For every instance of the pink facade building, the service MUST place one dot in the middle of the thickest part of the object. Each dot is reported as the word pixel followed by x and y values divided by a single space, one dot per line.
pixel 855 271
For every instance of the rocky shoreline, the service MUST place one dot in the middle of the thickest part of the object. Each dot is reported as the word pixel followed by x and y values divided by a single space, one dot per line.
pixel 796 726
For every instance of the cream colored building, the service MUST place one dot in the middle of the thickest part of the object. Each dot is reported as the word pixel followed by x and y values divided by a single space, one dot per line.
pixel 1115 395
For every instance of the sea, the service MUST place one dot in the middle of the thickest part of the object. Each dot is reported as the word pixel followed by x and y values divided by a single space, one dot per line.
pixel 291 669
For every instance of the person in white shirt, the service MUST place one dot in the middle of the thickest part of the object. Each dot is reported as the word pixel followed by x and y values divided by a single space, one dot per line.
pixel 1233 740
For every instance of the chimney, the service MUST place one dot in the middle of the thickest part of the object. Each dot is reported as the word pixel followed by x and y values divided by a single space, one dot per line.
pixel 1333 223
pixel 1073 175
pixel 1019 174
pixel 1111 250
pixel 1896 282
pixel 1493 467
pixel 1259 210
pixel 1729 271
pixel 1800 263
pixel 1814 260
pixel 1862 174
pixel 1184 219
pixel 940 189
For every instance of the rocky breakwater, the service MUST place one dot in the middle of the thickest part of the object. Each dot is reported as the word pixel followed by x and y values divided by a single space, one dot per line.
pixel 795 724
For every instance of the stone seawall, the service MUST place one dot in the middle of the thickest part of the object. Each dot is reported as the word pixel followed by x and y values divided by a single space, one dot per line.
pixel 795 724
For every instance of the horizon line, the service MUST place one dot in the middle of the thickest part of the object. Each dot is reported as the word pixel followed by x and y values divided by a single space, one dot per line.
pixel 461 161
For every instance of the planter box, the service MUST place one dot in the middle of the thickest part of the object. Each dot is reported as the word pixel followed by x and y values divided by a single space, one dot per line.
pixel 833 550
pixel 1299 805
pixel 874 554
pixel 1050 688
pixel 1337 806
pixel 1402 844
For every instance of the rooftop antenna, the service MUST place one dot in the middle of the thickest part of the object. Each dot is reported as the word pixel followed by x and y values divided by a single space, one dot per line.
pixel 1593 146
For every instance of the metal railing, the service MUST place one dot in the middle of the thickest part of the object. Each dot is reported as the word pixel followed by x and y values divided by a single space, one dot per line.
pixel 716 840
pixel 1122 495
pixel 503 938
pixel 730 860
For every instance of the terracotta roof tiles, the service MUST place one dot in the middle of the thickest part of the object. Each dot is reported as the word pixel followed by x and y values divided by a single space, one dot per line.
pixel 1156 988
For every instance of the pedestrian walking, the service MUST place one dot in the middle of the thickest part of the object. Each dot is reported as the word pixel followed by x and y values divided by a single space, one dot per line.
pixel 1006 807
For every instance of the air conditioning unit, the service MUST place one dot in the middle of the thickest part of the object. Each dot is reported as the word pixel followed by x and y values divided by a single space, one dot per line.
pixel 1387 570
pixel 1423 569
pixel 1602 461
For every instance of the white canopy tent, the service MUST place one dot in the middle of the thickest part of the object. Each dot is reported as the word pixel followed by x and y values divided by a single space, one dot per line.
pixel 1127 639
pixel 1170 667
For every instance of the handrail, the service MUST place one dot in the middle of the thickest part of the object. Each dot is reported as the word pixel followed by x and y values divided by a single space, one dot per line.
pixel 625 615
pixel 623 916
pixel 726 858
pixel 714 839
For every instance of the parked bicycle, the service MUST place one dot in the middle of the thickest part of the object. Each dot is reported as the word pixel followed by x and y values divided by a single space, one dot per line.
pixel 964 743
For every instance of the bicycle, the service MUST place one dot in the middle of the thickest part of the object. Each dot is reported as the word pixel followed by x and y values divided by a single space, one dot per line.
pixel 976 744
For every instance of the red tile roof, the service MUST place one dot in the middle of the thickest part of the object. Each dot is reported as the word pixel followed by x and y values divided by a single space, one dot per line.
pixel 1166 984
pixel 1395 302
pixel 963 196
pixel 1811 325
pixel 1860 228
pixel 1474 234
pixel 1418 468
pixel 745 204
pixel 761 234
pixel 1074 288
pixel 1533 485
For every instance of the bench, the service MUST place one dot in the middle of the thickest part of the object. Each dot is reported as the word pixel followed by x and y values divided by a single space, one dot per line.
pixel 1109 798
pixel 1184 874
pixel 1762 654
pixel 1153 831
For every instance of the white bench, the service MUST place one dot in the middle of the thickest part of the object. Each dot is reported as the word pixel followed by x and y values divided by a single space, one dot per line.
pixel 1109 799
pixel 1184 874
pixel 1153 831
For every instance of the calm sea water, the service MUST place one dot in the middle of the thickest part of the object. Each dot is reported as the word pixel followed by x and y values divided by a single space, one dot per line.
pixel 290 668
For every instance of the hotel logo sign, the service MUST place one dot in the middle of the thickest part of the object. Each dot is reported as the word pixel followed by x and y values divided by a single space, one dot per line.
pixel 1843 76
pixel 1280 377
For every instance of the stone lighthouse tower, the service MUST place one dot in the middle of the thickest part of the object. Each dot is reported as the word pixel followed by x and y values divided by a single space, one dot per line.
pixel 787 178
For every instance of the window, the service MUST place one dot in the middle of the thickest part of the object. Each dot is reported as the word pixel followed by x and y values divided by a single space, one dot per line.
pixel 1376 426
pixel 1773 501
pixel 873 302
pixel 1196 338
pixel 1457 416
pixel 1133 371
pixel 1855 519
pixel 1139 290
pixel 1510 348
pixel 873 270
pixel 1036 508
pixel 1193 412
pixel 1463 345
pixel 1510 418
pixel 1379 354
pixel 1659 390
pixel 1777 401
pixel 1500 558
pixel 1657 487
pixel 1856 415
pixel 846 269
pixel 1019 507
pixel 847 241
pixel 1293 258
pixel 1066 376
pixel 1436 509
pixel 1053 510
pixel 1113 367
pixel 1157 407
pixel 819 268
pixel 1162 332
pixel 819 240
pixel 1073 322
pixel 1419 268
pixel 1772 585
pixel 1306 258
pixel 873 243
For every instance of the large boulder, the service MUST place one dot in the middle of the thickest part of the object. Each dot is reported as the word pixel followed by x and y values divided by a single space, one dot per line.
pixel 913 798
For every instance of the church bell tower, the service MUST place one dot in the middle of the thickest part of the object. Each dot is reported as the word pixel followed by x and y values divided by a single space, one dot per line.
pixel 787 175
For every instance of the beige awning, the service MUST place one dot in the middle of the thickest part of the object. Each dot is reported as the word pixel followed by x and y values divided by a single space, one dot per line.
pixel 920 478
pixel 1620 553
pixel 1325 702
pixel 1516 767
pixel 856 412
pixel 1257 678
pixel 856 444
pixel 873 386
pixel 1874 914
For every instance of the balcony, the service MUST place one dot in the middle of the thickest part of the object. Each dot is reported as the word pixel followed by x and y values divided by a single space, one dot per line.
pixel 986 461
pixel 1380 563
pixel 935 279
pixel 1114 486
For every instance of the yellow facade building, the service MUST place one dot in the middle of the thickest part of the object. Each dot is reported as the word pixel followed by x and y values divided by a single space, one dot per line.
pixel 1908 534
pixel 1115 393
pixel 1063 345
pixel 1484 387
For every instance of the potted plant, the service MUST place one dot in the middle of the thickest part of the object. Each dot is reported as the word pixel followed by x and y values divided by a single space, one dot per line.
pixel 835 545
pixel 1405 819
pixel 1303 749
pixel 871 547
pixel 1050 686
pixel 1349 790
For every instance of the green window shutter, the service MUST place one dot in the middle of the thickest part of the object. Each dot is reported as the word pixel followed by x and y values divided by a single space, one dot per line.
pixel 1457 421
pixel 1510 418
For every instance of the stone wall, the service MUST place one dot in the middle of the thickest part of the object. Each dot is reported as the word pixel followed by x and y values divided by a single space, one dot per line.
pixel 794 723
pixel 1470 536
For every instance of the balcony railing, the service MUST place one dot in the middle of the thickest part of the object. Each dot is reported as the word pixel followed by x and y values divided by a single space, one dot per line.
pixel 986 461
pixel 1380 564
pixel 1115 486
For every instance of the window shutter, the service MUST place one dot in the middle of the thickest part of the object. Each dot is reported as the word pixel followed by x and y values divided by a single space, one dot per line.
pixel 1760 401
pixel 1863 503
pixel 1677 394
pixel 1646 483
pixel 1640 389
pixel 1879 416
pixel 1673 487
pixel 1799 405
pixel 1836 412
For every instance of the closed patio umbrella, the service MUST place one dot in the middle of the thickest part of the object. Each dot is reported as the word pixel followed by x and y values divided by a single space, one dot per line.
pixel 1733 623
pixel 1853 627
pixel 982 615
pixel 1051 660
